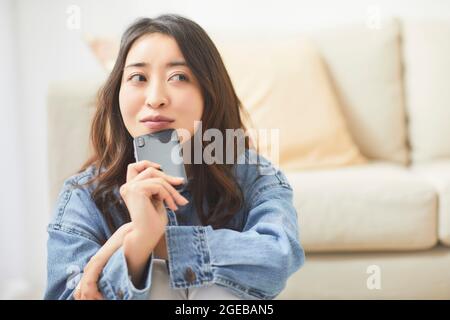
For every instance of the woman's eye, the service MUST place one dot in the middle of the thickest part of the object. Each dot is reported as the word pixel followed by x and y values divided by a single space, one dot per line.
pixel 182 76
pixel 137 78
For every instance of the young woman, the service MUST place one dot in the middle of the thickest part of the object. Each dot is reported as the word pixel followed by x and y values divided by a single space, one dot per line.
pixel 121 230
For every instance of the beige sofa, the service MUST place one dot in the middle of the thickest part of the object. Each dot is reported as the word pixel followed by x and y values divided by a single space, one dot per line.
pixel 378 230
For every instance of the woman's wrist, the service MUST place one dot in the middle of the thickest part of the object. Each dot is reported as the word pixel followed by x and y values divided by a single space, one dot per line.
pixel 137 251
pixel 139 244
pixel 160 250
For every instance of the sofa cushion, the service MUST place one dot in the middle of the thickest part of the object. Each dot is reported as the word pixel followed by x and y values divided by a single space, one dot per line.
pixel 404 275
pixel 365 66
pixel 438 174
pixel 378 206
pixel 284 86
pixel 427 74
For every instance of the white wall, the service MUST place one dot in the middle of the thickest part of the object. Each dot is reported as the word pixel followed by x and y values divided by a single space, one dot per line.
pixel 11 162
pixel 38 48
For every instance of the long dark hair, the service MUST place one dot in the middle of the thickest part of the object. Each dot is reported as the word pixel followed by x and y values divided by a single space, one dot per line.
pixel 112 144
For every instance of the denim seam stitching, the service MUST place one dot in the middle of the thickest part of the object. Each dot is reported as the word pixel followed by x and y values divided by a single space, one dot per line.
pixel 242 289
pixel 182 283
pixel 205 257
pixel 73 231
pixel 63 205
pixel 267 186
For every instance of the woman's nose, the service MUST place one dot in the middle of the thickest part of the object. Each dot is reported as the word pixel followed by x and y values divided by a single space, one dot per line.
pixel 156 96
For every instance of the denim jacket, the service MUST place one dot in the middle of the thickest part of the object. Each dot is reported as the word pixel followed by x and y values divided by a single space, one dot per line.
pixel 253 255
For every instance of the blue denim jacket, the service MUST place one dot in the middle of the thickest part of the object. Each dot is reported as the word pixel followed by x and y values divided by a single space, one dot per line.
pixel 253 256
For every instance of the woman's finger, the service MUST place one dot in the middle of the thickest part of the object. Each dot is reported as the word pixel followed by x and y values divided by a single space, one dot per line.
pixel 175 194
pixel 76 293
pixel 161 177
pixel 135 168
pixel 155 188
pixel 98 296
pixel 152 172
pixel 167 193
pixel 89 287
pixel 90 291
pixel 152 190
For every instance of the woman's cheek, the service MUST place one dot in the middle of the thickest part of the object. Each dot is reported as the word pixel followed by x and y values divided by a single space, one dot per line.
pixel 129 102
pixel 193 105
pixel 128 113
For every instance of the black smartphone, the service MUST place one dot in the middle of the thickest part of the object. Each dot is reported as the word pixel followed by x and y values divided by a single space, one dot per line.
pixel 162 147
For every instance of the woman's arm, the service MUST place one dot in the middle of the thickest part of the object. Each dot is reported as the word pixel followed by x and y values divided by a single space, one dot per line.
pixel 75 235
pixel 144 194
pixel 255 262
pixel 87 287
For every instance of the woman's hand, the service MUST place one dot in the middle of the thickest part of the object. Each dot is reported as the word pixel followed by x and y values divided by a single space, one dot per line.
pixel 87 287
pixel 144 193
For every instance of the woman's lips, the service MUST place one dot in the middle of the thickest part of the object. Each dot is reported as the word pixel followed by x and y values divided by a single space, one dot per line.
pixel 156 124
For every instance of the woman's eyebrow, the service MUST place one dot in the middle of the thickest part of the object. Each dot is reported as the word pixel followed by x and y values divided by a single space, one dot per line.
pixel 168 65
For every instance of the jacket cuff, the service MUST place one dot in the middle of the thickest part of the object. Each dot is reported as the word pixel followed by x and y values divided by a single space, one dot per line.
pixel 189 256
pixel 115 282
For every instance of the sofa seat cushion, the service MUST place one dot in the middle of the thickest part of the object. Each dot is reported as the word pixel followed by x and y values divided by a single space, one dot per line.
pixel 377 206
pixel 438 174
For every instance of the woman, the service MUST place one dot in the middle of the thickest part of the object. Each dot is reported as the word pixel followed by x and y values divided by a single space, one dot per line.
pixel 121 230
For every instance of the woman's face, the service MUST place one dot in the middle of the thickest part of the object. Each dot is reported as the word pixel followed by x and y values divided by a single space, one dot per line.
pixel 156 82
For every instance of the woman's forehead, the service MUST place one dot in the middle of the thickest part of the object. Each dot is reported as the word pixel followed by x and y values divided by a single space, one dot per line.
pixel 154 49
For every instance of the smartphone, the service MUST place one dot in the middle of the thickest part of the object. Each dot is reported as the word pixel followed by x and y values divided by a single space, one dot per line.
pixel 162 147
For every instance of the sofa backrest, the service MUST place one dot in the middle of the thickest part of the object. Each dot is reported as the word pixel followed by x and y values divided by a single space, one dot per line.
pixel 426 47
pixel 366 68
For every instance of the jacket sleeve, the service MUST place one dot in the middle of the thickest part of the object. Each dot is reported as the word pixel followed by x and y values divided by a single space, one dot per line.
pixel 73 238
pixel 254 263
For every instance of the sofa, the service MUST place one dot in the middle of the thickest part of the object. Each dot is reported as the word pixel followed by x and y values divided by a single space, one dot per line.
pixel 374 229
